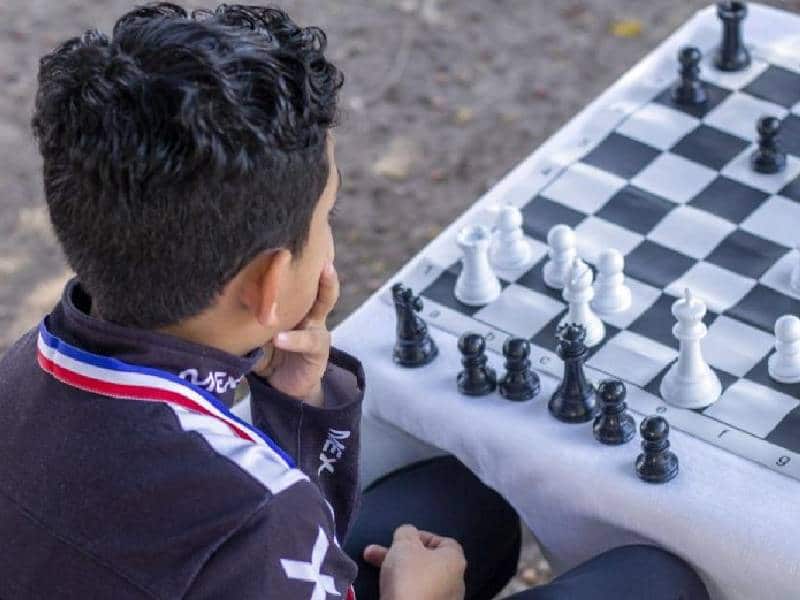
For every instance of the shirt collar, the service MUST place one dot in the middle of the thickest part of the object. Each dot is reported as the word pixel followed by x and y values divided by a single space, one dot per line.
pixel 209 368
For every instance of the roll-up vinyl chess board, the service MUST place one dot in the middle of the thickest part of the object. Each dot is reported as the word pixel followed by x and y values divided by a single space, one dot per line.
pixel 671 187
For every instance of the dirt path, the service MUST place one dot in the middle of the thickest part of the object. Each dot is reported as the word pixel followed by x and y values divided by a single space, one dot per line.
pixel 442 98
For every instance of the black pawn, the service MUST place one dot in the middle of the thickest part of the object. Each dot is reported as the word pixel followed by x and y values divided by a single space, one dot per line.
pixel 768 157
pixel 573 401
pixel 614 426
pixel 689 90
pixel 476 379
pixel 413 346
pixel 520 382
pixel 656 463
pixel 732 55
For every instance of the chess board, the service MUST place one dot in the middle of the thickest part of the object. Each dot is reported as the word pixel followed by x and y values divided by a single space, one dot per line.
pixel 672 189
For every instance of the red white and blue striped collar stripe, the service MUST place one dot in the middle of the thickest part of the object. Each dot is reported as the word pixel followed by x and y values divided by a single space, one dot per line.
pixel 112 377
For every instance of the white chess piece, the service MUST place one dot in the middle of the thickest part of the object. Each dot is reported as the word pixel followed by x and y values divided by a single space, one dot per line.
pixel 794 280
pixel 690 382
pixel 510 250
pixel 476 284
pixel 784 365
pixel 578 293
pixel 561 243
pixel 611 295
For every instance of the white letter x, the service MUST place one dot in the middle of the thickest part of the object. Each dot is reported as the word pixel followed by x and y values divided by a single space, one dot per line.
pixel 310 571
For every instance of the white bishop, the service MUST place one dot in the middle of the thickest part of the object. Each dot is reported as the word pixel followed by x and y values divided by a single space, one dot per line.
pixel 578 293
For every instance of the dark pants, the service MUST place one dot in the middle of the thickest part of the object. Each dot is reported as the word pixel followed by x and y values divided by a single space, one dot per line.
pixel 443 496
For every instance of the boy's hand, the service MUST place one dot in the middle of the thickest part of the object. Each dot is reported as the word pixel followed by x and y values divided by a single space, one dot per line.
pixel 295 361
pixel 419 565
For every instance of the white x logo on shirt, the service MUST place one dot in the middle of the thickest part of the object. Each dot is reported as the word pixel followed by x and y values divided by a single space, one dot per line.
pixel 310 571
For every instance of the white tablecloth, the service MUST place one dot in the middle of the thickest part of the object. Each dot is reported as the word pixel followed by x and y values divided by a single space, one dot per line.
pixel 736 522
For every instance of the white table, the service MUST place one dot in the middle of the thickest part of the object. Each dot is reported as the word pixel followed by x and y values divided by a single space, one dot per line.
pixel 737 522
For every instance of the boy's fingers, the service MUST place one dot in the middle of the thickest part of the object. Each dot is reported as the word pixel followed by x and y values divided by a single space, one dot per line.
pixel 430 540
pixel 304 341
pixel 406 532
pixel 327 295
pixel 375 554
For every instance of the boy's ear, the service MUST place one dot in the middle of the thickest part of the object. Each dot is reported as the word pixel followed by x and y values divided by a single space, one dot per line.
pixel 262 288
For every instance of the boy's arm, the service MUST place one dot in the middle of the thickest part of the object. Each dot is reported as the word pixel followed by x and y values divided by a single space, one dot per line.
pixel 325 440
pixel 284 550
pixel 307 397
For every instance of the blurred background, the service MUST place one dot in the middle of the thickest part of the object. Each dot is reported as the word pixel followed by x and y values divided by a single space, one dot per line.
pixel 442 98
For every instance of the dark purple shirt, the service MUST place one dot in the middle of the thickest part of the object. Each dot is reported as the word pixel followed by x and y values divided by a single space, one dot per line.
pixel 104 497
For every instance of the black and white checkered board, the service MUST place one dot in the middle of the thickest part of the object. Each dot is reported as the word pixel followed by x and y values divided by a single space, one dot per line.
pixel 672 189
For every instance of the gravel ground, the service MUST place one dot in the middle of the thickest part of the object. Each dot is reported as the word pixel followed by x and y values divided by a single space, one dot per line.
pixel 443 97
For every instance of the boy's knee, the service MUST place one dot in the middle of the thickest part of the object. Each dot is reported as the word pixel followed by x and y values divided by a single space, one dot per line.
pixel 657 565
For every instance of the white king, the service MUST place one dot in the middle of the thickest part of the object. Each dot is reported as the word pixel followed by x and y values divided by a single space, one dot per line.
pixel 690 382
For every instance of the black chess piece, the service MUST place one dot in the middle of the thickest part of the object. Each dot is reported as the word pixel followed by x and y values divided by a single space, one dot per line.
pixel 520 382
pixel 614 425
pixel 732 54
pixel 413 347
pixel 769 157
pixel 476 379
pixel 657 463
pixel 573 401
pixel 689 90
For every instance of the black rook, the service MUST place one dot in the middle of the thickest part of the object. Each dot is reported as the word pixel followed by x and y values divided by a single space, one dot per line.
pixel 732 55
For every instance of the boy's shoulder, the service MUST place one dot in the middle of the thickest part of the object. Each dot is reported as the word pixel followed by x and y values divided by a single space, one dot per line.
pixel 117 483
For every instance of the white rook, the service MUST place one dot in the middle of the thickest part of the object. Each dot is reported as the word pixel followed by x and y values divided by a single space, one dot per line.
pixel 690 382
pixel 476 284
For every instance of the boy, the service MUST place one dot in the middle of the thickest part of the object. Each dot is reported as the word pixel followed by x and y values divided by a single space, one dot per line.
pixel 190 176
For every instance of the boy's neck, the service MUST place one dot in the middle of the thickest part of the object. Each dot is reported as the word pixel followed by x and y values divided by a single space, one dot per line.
pixel 205 329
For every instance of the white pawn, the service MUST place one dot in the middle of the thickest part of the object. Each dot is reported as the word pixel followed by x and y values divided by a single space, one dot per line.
pixel 611 293
pixel 794 281
pixel 784 365
pixel 510 250
pixel 690 382
pixel 561 243
pixel 476 284
pixel 578 293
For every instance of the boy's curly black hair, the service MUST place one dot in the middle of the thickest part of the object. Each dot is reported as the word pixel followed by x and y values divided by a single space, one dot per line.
pixel 178 149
